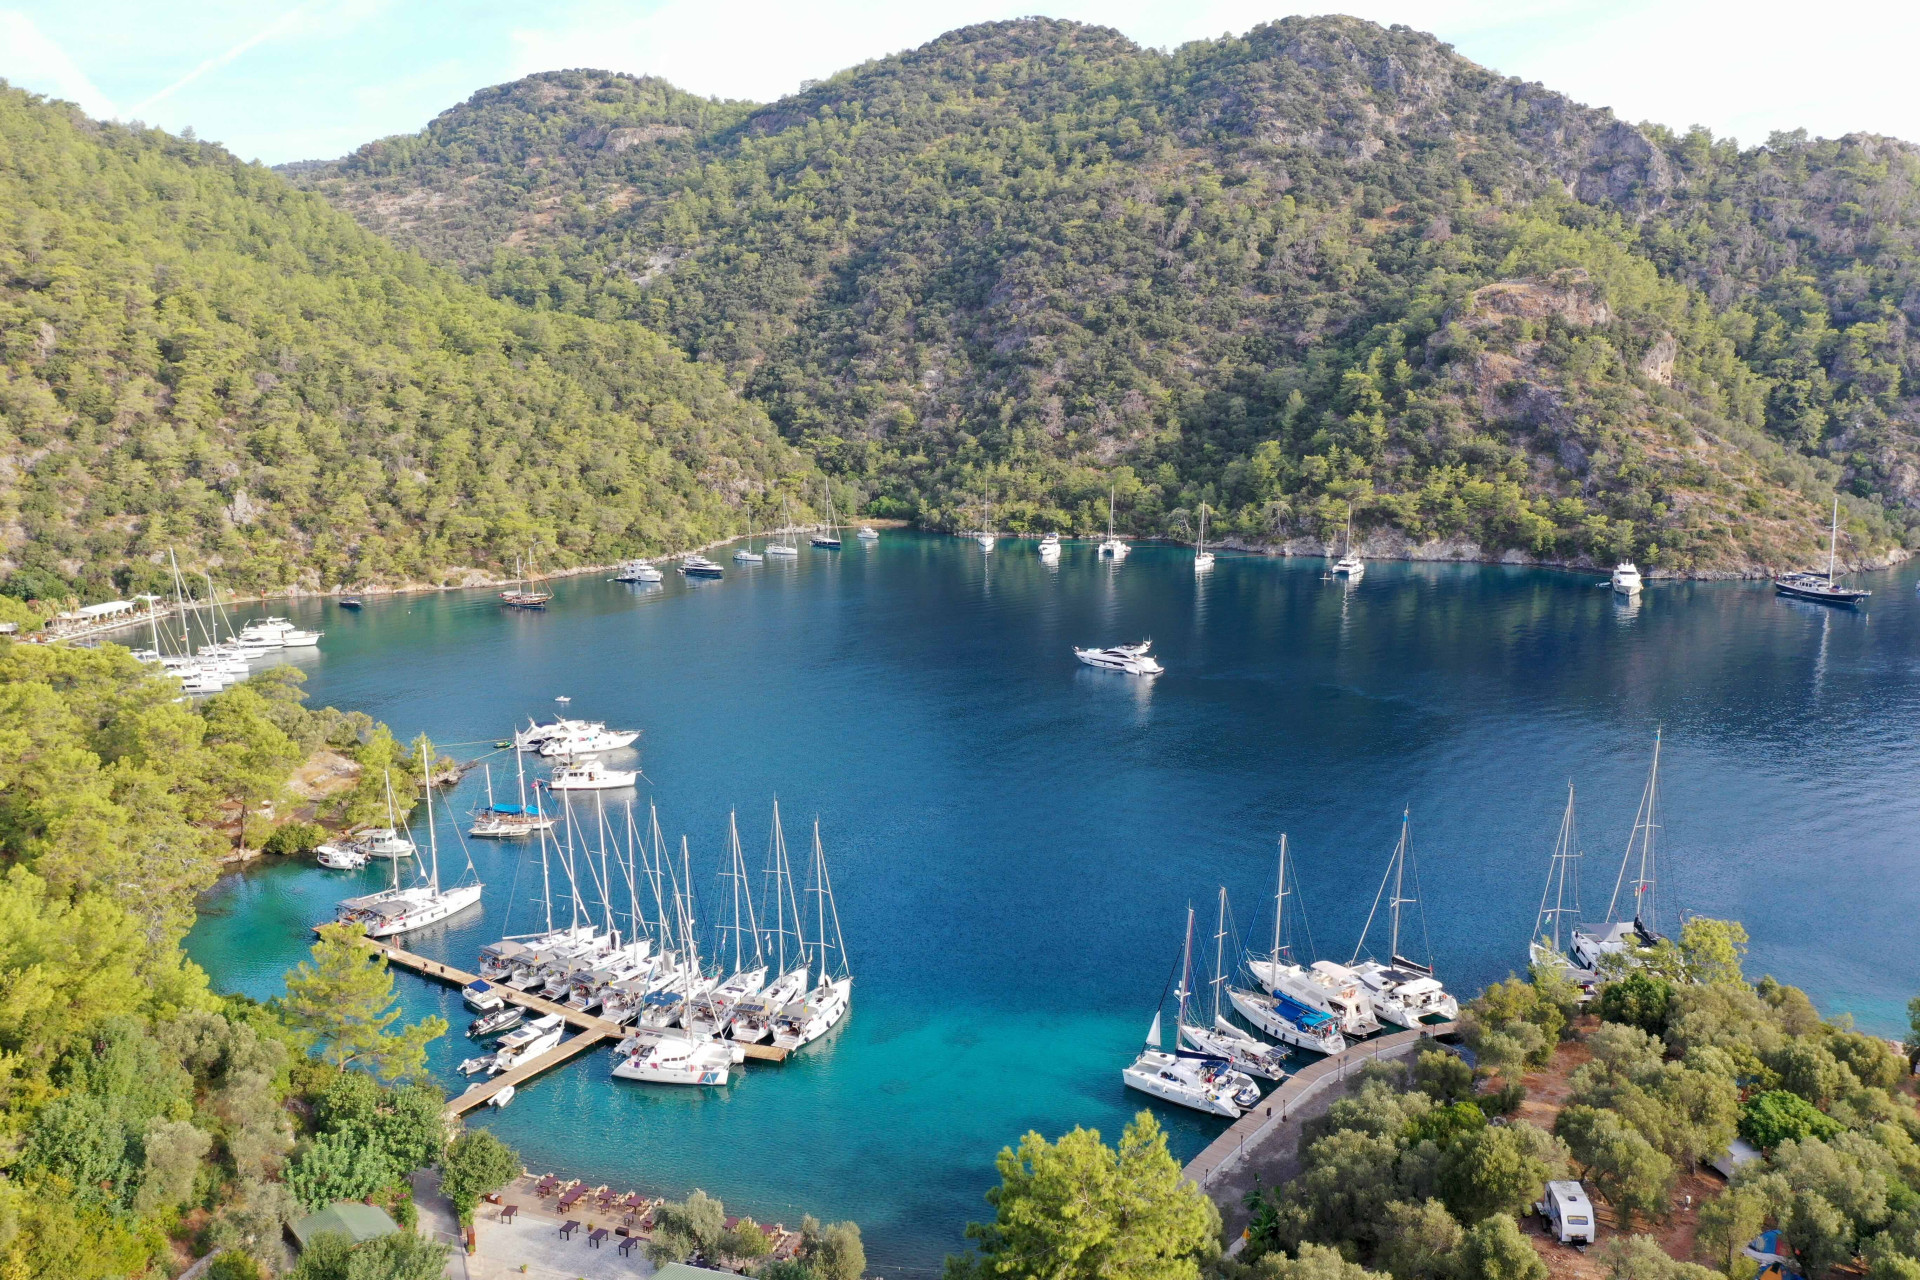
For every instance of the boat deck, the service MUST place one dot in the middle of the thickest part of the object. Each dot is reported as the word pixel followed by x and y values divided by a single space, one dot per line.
pixel 593 1031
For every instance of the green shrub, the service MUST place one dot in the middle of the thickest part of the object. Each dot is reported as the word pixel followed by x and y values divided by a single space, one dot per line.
pixel 294 837
pixel 234 1265
pixel 1775 1116
pixel 1638 1000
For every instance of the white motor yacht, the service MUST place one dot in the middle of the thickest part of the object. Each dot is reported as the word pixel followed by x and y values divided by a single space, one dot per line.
pixel 297 639
pixel 1049 546
pixel 588 740
pixel 700 567
pixel 482 996
pixel 868 533
pixel 534 736
pixel 528 1041
pixel 1132 659
pixel 637 571
pixel 340 855
pixel 1626 578
pixel 591 776
pixel 385 842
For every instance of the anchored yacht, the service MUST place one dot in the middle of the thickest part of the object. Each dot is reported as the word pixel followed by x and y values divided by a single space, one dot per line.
pixel 1626 578
pixel 1349 566
pixel 700 567
pixel 588 740
pixel 591 776
pixel 1050 547
pixel 399 910
pixel 1113 546
pixel 1821 588
pixel 638 571
pixel 1133 659
pixel 673 1060
pixel 868 533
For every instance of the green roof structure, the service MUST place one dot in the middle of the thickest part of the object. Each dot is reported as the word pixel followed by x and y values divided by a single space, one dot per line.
pixel 357 1222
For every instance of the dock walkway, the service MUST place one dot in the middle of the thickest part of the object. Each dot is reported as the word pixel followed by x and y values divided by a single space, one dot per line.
pixel 1213 1168
pixel 593 1031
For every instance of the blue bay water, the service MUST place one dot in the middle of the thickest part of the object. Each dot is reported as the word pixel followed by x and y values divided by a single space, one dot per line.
pixel 1014 838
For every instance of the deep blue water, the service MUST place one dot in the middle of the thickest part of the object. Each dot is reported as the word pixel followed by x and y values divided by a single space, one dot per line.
pixel 1014 838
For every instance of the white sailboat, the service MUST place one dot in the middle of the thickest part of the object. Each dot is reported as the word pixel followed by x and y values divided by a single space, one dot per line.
pixel 1624 938
pixel 1350 566
pixel 1222 1038
pixel 1196 1080
pixel 511 821
pixel 985 537
pixel 752 1018
pixel 711 1013
pixel 784 550
pixel 1405 992
pixel 746 554
pixel 821 1009
pixel 400 910
pixel 1559 912
pixel 673 1059
pixel 1286 1003
pixel 829 537
pixel 1113 546
pixel 1202 558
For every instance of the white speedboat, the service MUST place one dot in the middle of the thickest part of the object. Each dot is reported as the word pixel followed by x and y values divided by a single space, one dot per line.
pixel 588 740
pixel 482 996
pixel 674 1060
pixel 868 533
pixel 1132 659
pixel 636 571
pixel 700 567
pixel 385 842
pixel 1626 578
pixel 591 776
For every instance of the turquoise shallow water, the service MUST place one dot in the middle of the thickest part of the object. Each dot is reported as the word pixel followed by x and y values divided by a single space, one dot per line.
pixel 1014 838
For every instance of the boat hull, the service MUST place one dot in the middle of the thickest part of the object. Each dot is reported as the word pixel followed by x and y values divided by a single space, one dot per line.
pixel 1271 1023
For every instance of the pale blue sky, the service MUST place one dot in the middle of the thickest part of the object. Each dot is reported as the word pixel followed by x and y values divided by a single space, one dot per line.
pixel 284 80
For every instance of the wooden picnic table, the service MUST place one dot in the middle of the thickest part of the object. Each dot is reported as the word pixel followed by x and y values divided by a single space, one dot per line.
pixel 572 1198
pixel 626 1245
pixel 566 1232
pixel 595 1236
pixel 508 1212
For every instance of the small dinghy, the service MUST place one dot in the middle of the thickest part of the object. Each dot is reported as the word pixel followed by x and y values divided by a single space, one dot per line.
pixel 474 1066
pixel 503 1097
pixel 497 1021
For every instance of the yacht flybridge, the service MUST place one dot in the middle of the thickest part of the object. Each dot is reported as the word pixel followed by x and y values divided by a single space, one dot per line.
pixel 1822 588
pixel 1132 659
pixel 1113 546
pixel 398 909
pixel 1404 992
pixel 1619 938
pixel 1198 1080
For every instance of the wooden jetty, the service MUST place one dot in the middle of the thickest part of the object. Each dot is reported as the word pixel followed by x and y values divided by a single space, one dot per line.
pixel 593 1031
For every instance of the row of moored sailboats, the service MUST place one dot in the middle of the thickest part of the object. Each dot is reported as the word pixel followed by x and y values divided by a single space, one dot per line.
pixel 1283 1001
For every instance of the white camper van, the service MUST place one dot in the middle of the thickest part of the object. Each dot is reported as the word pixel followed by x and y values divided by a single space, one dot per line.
pixel 1568 1212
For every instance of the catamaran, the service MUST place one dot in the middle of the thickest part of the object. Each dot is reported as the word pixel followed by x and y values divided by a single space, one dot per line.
pixel 1625 938
pixel 1286 1002
pixel 1822 588
pixel 1113 546
pixel 673 1059
pixel 400 910
pixel 1404 991
pixel 1223 1039
pixel 819 1010
pixel 1197 1080
pixel 1559 912
pixel 1349 566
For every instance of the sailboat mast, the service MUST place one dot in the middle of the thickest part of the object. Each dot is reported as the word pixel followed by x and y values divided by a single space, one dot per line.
pixel 1643 887
pixel 1399 879
pixel 1833 536
pixel 1219 954
pixel 776 856
pixel 1280 898
pixel 1186 976
pixel 736 875
pixel 546 878
pixel 433 837
pixel 820 900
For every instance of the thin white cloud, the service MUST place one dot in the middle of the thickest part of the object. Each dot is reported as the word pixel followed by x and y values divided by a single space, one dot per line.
pixel 284 22
pixel 31 60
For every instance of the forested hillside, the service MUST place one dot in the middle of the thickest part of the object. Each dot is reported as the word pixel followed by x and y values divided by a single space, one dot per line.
pixel 195 355
pixel 1320 262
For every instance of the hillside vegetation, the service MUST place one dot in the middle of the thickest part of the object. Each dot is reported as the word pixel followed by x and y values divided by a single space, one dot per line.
pixel 1320 262
pixel 195 355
